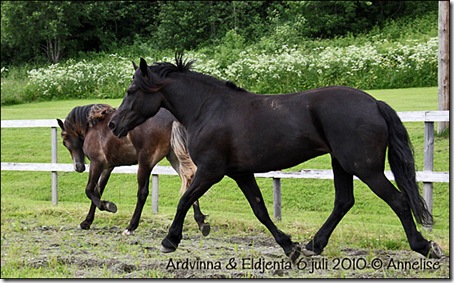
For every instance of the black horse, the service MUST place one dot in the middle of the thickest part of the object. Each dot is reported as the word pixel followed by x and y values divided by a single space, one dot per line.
pixel 237 133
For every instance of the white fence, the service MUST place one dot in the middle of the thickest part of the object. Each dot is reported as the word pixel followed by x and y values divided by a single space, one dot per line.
pixel 427 176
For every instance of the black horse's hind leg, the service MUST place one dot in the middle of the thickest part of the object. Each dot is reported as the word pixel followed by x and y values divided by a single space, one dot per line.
pixel 344 200
pixel 381 186
pixel 250 189
pixel 143 179
pixel 102 182
pixel 200 219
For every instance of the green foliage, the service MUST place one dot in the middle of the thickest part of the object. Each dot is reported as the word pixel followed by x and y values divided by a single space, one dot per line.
pixel 58 30
pixel 380 64
pixel 34 30
pixel 400 54
pixel 105 79
pixel 328 19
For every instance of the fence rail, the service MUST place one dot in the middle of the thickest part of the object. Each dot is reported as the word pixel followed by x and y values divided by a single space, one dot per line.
pixel 427 176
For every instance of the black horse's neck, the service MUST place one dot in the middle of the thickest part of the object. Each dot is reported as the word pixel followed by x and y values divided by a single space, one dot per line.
pixel 192 95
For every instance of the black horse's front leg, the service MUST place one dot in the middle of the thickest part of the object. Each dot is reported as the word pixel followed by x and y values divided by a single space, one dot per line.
pixel 143 180
pixel 197 188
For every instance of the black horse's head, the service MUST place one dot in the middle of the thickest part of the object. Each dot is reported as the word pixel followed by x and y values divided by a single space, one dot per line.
pixel 142 101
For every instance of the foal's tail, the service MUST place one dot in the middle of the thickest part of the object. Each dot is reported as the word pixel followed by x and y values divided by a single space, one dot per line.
pixel 401 161
pixel 178 142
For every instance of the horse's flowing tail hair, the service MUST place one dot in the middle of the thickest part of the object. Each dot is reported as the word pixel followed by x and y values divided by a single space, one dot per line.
pixel 178 142
pixel 401 161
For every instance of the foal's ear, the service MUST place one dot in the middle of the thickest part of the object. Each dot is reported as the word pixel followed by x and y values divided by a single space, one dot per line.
pixel 135 66
pixel 143 67
pixel 60 123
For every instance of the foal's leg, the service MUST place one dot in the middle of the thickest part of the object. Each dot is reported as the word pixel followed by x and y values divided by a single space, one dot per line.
pixel 344 200
pixel 102 182
pixel 383 188
pixel 95 195
pixel 143 180
pixel 250 189
pixel 198 187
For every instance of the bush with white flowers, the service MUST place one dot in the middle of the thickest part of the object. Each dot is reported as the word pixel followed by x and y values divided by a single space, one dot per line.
pixel 373 65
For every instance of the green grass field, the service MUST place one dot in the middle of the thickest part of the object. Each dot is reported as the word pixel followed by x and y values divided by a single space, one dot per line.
pixel 306 204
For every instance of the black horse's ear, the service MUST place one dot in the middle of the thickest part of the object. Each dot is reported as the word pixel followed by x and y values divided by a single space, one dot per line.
pixel 143 67
pixel 135 66
pixel 60 123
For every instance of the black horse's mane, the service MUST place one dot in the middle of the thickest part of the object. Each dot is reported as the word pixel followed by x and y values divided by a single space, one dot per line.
pixel 163 69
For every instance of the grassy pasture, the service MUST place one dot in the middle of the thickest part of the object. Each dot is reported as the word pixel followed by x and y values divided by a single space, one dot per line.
pixel 370 225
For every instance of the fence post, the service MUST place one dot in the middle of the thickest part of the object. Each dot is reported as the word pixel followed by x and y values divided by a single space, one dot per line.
pixel 54 160
pixel 154 192
pixel 277 198
pixel 428 164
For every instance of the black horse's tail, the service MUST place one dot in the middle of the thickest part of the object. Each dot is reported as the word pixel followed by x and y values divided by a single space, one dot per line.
pixel 401 161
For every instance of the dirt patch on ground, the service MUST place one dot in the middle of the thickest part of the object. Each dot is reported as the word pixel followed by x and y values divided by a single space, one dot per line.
pixel 105 252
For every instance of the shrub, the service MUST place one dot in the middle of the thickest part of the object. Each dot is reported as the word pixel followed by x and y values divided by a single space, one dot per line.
pixel 371 65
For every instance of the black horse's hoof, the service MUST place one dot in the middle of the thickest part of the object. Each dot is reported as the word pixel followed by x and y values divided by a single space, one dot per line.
pixel 435 250
pixel 168 246
pixel 167 250
pixel 205 229
pixel 111 207
pixel 84 226
pixel 308 253
pixel 294 252
pixel 311 249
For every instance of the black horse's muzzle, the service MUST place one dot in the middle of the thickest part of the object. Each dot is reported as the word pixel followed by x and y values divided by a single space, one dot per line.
pixel 117 131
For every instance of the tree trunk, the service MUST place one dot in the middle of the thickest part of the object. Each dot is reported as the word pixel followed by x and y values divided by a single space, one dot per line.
pixel 53 49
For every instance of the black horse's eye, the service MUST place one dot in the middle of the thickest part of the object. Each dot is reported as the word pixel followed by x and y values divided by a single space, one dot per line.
pixel 131 89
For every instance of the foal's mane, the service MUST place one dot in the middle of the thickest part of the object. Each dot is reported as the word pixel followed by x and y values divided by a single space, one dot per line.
pixel 98 113
pixel 82 117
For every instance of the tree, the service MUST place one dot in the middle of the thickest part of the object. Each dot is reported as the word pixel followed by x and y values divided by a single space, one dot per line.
pixel 31 29
pixel 33 26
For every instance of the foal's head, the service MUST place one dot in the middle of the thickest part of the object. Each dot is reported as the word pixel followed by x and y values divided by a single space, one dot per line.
pixel 75 127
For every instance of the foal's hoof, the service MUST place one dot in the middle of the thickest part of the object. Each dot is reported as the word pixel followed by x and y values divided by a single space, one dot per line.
pixel 127 232
pixel 294 252
pixel 111 207
pixel 435 250
pixel 205 229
